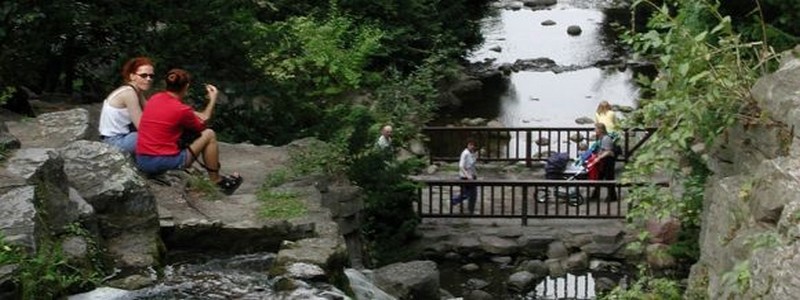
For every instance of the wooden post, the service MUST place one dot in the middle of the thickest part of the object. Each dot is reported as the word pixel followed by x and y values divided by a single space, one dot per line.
pixel 524 205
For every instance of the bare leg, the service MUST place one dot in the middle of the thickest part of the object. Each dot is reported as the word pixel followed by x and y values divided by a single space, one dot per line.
pixel 207 146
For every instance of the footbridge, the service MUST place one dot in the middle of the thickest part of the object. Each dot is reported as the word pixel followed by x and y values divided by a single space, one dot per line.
pixel 530 198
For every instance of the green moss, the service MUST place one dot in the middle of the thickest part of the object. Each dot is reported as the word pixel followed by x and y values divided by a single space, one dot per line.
pixel 281 205
pixel 200 184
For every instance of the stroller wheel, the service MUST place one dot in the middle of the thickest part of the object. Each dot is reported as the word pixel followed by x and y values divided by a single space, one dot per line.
pixel 576 201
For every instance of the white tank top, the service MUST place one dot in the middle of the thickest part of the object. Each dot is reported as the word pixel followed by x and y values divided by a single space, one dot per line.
pixel 114 121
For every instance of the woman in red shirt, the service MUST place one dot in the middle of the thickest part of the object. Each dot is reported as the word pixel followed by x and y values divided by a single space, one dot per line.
pixel 164 120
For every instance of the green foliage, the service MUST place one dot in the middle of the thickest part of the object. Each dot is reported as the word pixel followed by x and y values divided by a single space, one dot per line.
pixel 646 288
pixel 281 205
pixel 705 73
pixel 703 82
pixel 6 94
pixel 3 153
pixel 323 57
pixel 318 158
pixel 764 240
pixel 277 178
pixel 739 277
pixel 771 21
pixel 47 274
pixel 390 220
pixel 200 183
pixel 687 249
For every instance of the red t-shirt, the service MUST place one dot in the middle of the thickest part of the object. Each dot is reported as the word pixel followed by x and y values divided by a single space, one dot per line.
pixel 163 120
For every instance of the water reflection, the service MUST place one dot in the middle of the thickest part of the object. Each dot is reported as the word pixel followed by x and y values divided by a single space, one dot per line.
pixel 544 99
pixel 547 99
pixel 520 34
pixel 567 287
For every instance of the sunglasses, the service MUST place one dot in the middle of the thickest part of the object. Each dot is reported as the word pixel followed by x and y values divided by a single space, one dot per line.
pixel 146 75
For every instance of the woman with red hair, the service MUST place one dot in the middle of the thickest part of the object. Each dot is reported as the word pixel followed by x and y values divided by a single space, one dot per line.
pixel 163 122
pixel 122 109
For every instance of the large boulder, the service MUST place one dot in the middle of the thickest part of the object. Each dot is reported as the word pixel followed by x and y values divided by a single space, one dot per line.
pixel 411 280
pixel 44 169
pixel 7 140
pixel 751 209
pixel 125 208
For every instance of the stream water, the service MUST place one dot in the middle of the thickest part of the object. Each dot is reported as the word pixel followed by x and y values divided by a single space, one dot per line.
pixel 549 99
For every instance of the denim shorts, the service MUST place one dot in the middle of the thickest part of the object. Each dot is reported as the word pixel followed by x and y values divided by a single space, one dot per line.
pixel 125 142
pixel 157 164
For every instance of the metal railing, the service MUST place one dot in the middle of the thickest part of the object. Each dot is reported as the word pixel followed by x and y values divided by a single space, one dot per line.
pixel 523 199
pixel 526 144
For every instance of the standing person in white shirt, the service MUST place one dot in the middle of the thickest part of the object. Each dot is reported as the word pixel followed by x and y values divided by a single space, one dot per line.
pixel 467 171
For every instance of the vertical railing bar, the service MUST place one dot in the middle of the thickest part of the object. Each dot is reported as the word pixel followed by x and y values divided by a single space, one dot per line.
pixel 558 142
pixel 491 208
pixel 430 199
pixel 619 201
pixel 514 199
pixel 441 205
pixel 528 147
pixel 483 197
pixel 525 205
pixel 539 144
pixel 503 199
pixel 419 201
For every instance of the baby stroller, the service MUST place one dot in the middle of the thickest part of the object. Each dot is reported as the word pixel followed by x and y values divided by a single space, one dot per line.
pixel 556 169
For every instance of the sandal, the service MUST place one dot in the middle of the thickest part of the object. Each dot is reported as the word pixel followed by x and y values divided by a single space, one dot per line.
pixel 229 183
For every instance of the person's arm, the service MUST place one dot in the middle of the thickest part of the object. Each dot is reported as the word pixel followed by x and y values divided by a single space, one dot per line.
pixel 606 148
pixel 211 93
pixel 191 121
pixel 131 100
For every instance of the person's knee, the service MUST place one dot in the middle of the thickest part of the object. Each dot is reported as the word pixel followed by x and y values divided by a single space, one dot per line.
pixel 209 134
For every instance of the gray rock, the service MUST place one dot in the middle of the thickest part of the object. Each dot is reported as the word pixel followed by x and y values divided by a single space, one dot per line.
pixel 548 22
pixel 536 267
pixel 63 127
pixel 411 280
pixel 604 284
pixel 474 121
pixel 133 282
pixel 470 267
pixel 574 30
pixel 501 260
pixel 557 250
pixel 584 120
pixel 597 265
pixel 125 207
pixel 497 245
pixel 515 5
pixel 496 49
pixel 555 267
pixel 76 249
pixel 475 284
pixel 7 140
pixel 539 3
pixel 19 220
pixel 43 168
pixel 103 293
pixel 521 281
pixel 576 262
pixel 306 271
